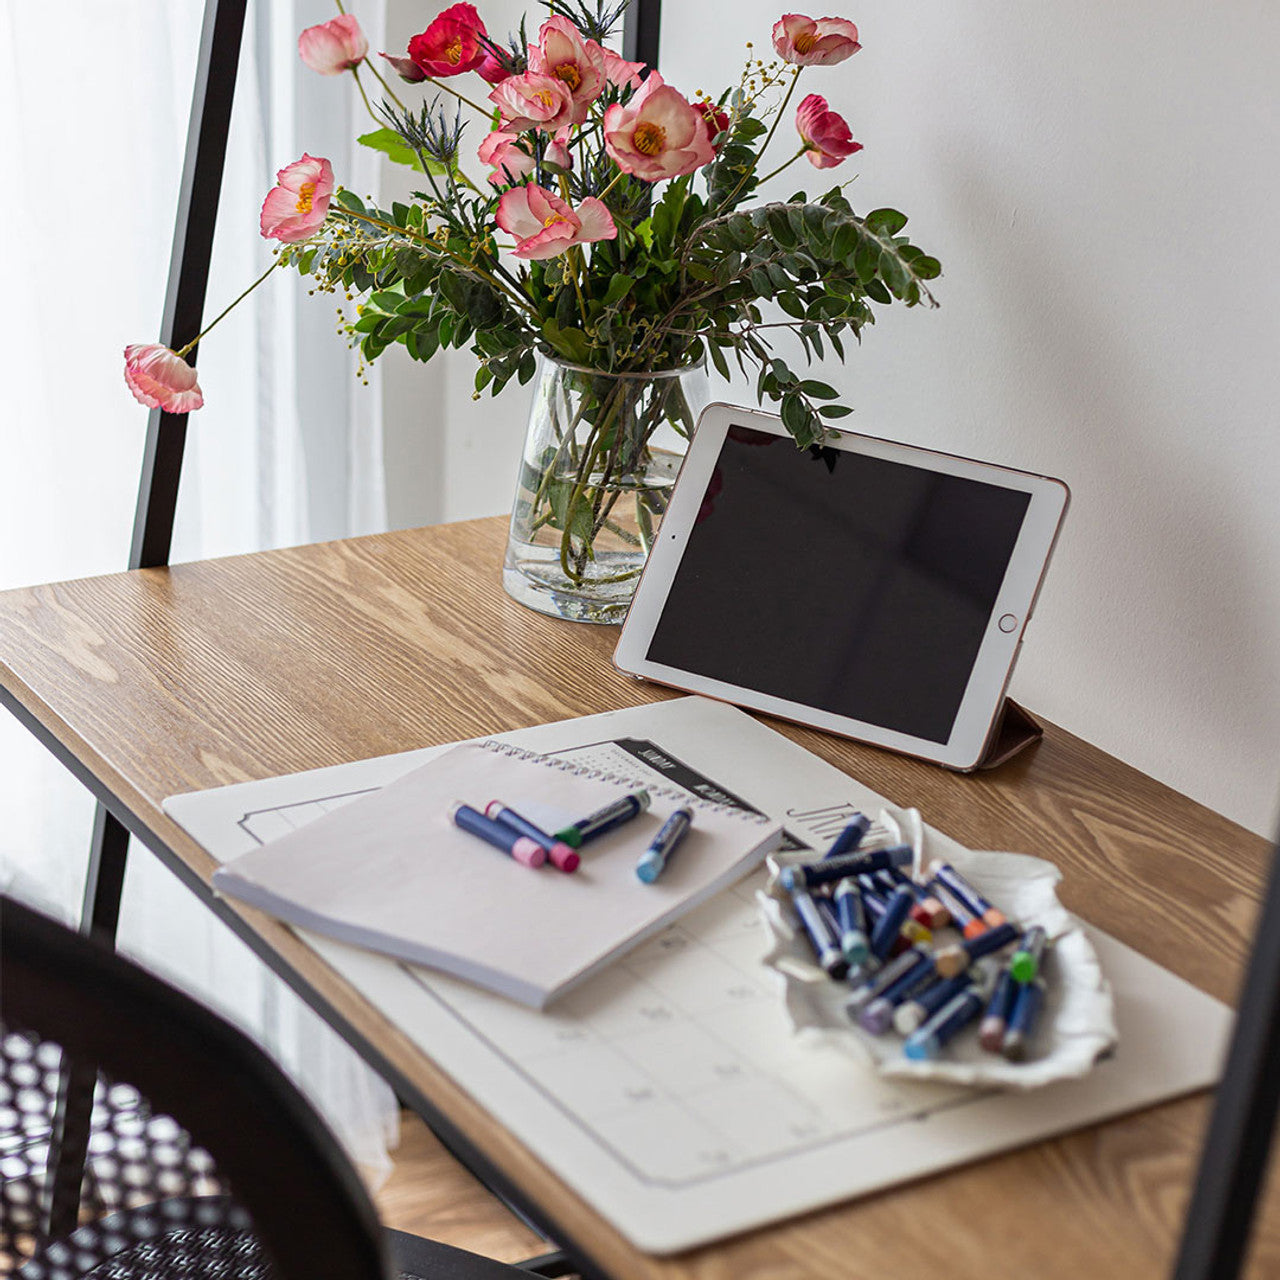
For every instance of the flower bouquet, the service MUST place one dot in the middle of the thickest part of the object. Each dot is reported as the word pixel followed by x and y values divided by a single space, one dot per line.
pixel 612 238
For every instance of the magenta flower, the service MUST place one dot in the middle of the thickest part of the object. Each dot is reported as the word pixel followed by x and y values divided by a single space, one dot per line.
pixel 333 47
pixel 716 121
pixel 575 62
pixel 451 44
pixel 814 42
pixel 161 379
pixel 657 134
pixel 297 207
pixel 533 101
pixel 544 225
pixel 825 134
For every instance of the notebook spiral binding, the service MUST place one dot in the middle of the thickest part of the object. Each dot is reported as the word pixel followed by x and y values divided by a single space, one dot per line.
pixel 678 795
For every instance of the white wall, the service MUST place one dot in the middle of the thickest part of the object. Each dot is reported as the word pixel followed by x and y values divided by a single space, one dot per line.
pixel 1099 182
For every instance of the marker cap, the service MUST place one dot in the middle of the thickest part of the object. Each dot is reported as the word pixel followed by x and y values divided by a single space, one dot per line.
pixel 649 868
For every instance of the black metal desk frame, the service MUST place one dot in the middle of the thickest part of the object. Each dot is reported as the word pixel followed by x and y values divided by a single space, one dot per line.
pixel 1237 1148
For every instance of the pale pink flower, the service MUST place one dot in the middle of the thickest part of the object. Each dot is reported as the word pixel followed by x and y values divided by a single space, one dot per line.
pixel 511 162
pixel 618 71
pixel 161 379
pixel 658 134
pixel 451 44
pixel 406 69
pixel 297 207
pixel 333 47
pixel 544 225
pixel 533 101
pixel 577 63
pixel 814 42
pixel 825 134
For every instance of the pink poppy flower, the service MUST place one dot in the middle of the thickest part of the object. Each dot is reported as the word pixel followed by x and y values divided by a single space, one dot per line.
pixel 814 42
pixel 533 101
pixel 493 68
pixel 161 379
pixel 825 134
pixel 450 45
pixel 544 225
pixel 333 47
pixel 406 69
pixel 511 162
pixel 621 73
pixel 657 134
pixel 575 62
pixel 297 207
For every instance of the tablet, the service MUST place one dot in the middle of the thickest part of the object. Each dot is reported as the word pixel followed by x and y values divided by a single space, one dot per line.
pixel 868 588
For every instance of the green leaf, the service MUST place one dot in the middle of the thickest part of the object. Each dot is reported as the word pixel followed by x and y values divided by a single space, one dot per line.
pixel 835 410
pixel 395 148
pixel 886 222
pixel 619 287
pixel 817 390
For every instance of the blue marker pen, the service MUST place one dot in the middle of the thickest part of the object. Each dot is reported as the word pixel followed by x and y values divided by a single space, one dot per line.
pixel 949 1021
pixel 612 815
pixel 851 837
pixel 829 870
pixel 563 857
pixel 654 859
pixel 1022 1021
pixel 853 922
pixel 987 916
pixel 820 939
pixel 525 851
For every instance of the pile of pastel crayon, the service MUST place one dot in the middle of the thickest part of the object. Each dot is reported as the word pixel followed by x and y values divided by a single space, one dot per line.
pixel 921 957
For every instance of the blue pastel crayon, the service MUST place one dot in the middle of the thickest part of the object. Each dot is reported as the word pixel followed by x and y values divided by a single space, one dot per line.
pixel 877 1016
pixel 986 916
pixel 1022 1020
pixel 928 1041
pixel 528 853
pixel 914 1012
pixel 612 815
pixel 951 960
pixel 889 926
pixel 1024 964
pixel 819 935
pixel 559 853
pixel 654 859
pixel 995 1018
pixel 880 981
pixel 829 870
pixel 852 915
pixel 850 837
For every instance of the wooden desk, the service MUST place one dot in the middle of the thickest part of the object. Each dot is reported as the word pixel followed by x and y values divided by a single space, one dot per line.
pixel 165 680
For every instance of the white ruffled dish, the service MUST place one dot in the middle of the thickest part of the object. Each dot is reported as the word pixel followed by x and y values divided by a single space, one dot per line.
pixel 1077 1022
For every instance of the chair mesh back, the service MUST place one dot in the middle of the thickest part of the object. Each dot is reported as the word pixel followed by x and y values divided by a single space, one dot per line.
pixel 152 1203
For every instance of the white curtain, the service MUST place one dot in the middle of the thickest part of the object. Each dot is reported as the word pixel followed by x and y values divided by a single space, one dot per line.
pixel 94 102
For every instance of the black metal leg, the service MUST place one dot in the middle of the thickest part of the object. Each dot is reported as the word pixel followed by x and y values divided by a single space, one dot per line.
pixel 1234 1161
pixel 108 853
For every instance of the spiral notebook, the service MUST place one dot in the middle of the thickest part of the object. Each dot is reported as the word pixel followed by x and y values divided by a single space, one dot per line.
pixel 392 873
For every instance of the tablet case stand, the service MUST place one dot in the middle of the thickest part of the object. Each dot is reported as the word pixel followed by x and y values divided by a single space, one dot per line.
pixel 1015 729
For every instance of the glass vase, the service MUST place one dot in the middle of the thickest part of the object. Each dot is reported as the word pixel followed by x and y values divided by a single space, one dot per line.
pixel 600 457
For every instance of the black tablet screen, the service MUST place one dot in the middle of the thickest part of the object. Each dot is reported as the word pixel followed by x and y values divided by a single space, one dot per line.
pixel 843 582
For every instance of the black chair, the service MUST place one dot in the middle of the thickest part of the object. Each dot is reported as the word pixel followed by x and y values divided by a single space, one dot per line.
pixel 203 1159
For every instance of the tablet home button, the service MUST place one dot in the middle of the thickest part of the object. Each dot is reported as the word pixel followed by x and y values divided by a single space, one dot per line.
pixel 1007 623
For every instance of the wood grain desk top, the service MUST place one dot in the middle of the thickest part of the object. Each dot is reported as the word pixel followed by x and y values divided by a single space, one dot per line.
pixel 167 680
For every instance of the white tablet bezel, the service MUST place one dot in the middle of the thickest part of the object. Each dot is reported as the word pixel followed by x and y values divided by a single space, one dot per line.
pixel 984 693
